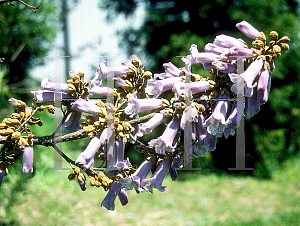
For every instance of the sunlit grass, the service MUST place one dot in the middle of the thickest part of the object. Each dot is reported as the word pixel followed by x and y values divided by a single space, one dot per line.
pixel 50 199
pixel 47 197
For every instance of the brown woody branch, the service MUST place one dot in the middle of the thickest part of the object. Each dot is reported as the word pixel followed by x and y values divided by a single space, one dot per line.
pixel 24 3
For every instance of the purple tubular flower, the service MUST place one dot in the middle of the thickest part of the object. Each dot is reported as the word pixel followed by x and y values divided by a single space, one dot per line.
pixel 263 80
pixel 147 127
pixel 224 67
pixel 105 135
pixel 110 71
pixel 109 200
pixel 196 87
pixel 136 106
pixel 226 41
pixel 175 164
pixel 202 57
pixel 72 123
pixel 252 71
pixel 159 86
pixel 46 83
pixel 171 69
pixel 86 106
pixel 27 160
pixel 123 196
pixel 212 48
pixel 232 121
pixel 239 81
pixel 97 89
pixel 207 66
pixel 2 174
pixel 157 178
pixel 48 97
pixel 248 29
pixel 188 114
pixel 118 157
pixel 251 105
pixel 162 76
pixel 134 181
pixel 234 52
pixel 216 122
pixel 13 101
pixel 165 141
pixel 204 139
pixel 120 81
pixel 87 156
pixel 262 98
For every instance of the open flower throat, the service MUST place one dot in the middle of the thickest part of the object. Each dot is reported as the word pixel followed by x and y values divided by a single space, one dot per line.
pixel 203 108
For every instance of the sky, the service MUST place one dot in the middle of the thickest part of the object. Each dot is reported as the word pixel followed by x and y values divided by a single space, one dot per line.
pixel 90 36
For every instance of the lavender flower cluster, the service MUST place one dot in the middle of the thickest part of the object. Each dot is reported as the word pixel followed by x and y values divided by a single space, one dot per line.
pixel 204 108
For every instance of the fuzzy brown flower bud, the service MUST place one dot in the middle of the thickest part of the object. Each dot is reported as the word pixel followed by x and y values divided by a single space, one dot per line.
pixel 274 35
pixel 284 47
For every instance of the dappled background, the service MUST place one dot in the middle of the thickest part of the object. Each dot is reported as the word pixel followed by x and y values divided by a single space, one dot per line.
pixel 268 195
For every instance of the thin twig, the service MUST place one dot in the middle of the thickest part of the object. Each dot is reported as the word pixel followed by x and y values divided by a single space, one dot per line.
pixel 70 161
pixel 65 157
pixel 62 121
pixel 24 3
pixel 30 116
pixel 124 101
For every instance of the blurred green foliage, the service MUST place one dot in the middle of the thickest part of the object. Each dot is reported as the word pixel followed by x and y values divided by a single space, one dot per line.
pixel 26 38
pixel 169 29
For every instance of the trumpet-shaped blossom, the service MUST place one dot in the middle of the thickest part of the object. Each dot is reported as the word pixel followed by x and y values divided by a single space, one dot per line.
pixel 194 87
pixel 118 157
pixel 212 48
pixel 204 139
pixel 171 69
pixel 175 164
pixel 165 141
pixel 188 114
pixel 104 72
pixel 87 156
pixel 123 196
pixel 233 120
pixel 252 71
pixel 136 106
pixel 262 97
pixel 239 85
pixel 96 88
pixel 159 86
pixel 216 122
pixel 47 84
pixel 205 57
pixel 106 135
pixel 86 106
pixel 27 160
pixel 147 127
pixel 236 52
pixel 207 66
pixel 109 200
pixel 72 122
pixel 251 105
pixel 157 178
pixel 2 174
pixel 226 41
pixel 48 97
pixel 134 181
pixel 248 29
pixel 224 67
pixel 263 80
